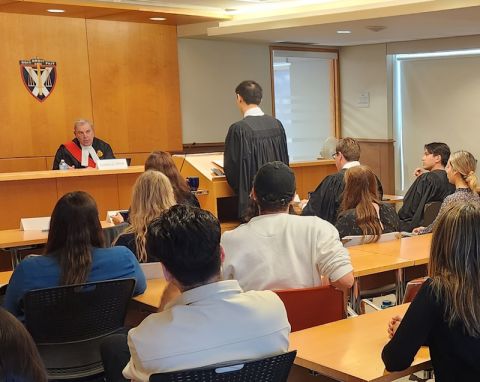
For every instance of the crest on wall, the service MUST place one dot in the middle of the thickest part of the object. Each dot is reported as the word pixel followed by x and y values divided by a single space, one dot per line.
pixel 39 77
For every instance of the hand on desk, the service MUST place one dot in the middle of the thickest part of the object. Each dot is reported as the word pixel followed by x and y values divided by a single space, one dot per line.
pixel 393 325
pixel 418 230
pixel 117 219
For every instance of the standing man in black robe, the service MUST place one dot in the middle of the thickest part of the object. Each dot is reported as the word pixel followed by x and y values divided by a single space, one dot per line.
pixel 325 201
pixel 431 185
pixel 84 150
pixel 255 140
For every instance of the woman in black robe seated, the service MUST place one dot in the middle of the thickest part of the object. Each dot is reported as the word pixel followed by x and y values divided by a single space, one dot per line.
pixel 361 211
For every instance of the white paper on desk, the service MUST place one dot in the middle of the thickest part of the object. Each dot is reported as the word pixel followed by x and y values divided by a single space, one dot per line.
pixel 152 270
pixel 218 162
pixel 35 224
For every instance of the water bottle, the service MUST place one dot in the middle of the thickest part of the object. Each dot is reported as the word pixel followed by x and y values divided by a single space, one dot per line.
pixel 63 165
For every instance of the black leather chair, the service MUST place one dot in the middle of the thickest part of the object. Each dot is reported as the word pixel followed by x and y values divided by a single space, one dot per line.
pixel 271 369
pixel 68 324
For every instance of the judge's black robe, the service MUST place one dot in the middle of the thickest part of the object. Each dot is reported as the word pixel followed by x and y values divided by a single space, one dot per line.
pixel 325 201
pixel 103 149
pixel 429 187
pixel 250 143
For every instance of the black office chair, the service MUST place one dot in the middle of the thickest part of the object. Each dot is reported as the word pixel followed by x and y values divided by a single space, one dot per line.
pixel 68 323
pixel 271 369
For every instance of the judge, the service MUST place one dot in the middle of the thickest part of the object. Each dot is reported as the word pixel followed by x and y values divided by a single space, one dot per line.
pixel 84 150
pixel 255 140
pixel 325 201
pixel 431 185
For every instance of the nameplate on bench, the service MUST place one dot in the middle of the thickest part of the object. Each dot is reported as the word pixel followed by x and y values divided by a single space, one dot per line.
pixel 35 224
pixel 112 164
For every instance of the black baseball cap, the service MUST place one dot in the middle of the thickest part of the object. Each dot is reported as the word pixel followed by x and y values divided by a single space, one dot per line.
pixel 275 182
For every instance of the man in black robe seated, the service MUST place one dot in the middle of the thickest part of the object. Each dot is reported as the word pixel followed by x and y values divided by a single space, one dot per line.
pixel 255 140
pixel 83 151
pixel 325 201
pixel 431 185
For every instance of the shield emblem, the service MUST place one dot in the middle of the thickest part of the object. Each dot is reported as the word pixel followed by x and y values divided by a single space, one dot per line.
pixel 39 77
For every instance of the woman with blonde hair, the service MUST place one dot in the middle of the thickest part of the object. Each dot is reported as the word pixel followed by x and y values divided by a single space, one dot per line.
pixel 361 211
pixel 152 194
pixel 461 173
pixel 445 314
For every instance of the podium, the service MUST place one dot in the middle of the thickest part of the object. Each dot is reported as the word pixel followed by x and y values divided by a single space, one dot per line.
pixel 214 190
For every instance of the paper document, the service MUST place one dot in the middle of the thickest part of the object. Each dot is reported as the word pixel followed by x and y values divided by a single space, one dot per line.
pixel 218 162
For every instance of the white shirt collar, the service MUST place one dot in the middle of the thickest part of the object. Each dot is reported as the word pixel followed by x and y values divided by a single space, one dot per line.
pixel 351 164
pixel 253 112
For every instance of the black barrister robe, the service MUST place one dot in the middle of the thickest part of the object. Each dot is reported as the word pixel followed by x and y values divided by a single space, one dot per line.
pixel 325 201
pixel 103 149
pixel 250 143
pixel 429 187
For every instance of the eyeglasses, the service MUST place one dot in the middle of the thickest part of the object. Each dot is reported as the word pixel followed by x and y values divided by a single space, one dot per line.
pixel 334 155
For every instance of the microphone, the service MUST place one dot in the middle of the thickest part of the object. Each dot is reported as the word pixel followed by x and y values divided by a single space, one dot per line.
pixel 185 156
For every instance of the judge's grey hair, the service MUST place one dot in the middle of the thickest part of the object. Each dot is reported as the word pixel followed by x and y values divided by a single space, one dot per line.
pixel 81 122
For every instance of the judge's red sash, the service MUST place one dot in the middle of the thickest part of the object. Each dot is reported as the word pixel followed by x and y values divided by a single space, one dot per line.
pixel 76 152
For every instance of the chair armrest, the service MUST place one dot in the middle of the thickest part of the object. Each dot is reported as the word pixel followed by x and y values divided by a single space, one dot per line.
pixel 366 301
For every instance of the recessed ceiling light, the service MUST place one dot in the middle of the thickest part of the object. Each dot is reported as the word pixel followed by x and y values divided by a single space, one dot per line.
pixel 157 18
pixel 344 32
pixel 56 10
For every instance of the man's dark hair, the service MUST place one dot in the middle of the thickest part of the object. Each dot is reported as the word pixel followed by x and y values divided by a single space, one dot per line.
pixel 187 241
pixel 250 91
pixel 439 148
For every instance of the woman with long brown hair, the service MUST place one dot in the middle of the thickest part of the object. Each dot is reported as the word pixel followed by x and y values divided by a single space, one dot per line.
pixel 19 358
pixel 74 254
pixel 163 162
pixel 152 194
pixel 445 314
pixel 361 211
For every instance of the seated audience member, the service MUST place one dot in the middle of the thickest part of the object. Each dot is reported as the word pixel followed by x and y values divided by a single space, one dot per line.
pixel 445 314
pixel 361 211
pixel 84 150
pixel 461 173
pixel 74 254
pixel 431 185
pixel 19 358
pixel 276 250
pixel 163 162
pixel 211 322
pixel 152 194
pixel 325 201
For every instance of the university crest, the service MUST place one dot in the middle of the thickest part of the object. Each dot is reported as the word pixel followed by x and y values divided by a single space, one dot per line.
pixel 39 77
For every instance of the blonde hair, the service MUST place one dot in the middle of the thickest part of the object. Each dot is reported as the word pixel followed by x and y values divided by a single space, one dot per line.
pixel 465 164
pixel 455 265
pixel 152 194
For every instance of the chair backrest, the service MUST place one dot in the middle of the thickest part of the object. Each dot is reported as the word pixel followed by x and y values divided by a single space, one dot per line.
pixel 430 212
pixel 412 289
pixel 349 241
pixel 111 233
pixel 271 369
pixel 77 312
pixel 308 307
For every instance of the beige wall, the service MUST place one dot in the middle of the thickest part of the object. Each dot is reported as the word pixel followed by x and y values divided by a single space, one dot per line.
pixel 209 72
pixel 364 69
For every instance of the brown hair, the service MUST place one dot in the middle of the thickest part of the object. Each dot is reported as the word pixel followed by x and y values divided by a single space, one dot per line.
pixel 465 164
pixel 360 193
pixel 152 194
pixel 74 230
pixel 350 149
pixel 19 356
pixel 163 162
pixel 455 265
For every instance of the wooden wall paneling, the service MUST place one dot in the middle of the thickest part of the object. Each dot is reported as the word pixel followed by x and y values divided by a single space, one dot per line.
pixel 21 199
pixel 135 85
pixel 137 159
pixel 23 164
pixel 102 188
pixel 29 127
pixel 379 155
pixel 309 177
pixel 125 189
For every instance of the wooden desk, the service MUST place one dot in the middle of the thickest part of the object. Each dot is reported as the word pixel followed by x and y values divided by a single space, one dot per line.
pixel 392 198
pixel 152 297
pixel 308 175
pixel 5 277
pixel 34 193
pixel 350 349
